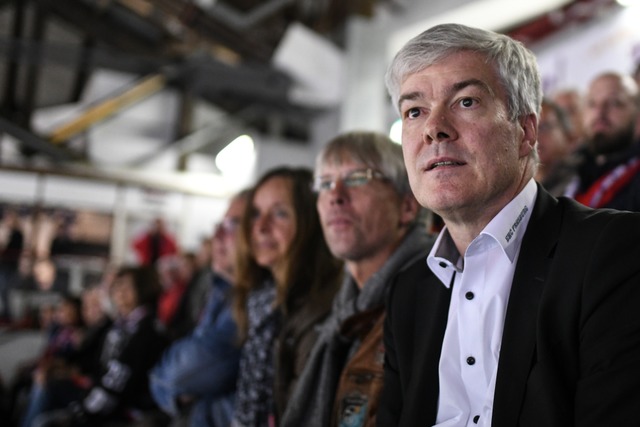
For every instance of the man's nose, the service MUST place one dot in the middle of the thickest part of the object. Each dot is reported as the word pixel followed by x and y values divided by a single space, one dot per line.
pixel 438 127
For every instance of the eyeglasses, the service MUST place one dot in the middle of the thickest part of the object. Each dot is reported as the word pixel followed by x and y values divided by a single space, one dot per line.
pixel 353 179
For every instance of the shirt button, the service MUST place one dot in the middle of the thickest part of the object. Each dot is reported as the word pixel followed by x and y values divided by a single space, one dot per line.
pixel 476 419
pixel 469 295
pixel 471 360
pixel 443 264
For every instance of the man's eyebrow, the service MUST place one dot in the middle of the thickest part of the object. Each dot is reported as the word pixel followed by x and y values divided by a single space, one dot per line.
pixel 408 97
pixel 456 87
pixel 471 82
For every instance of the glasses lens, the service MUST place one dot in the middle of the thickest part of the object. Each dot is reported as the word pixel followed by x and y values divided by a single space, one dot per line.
pixel 323 184
pixel 357 178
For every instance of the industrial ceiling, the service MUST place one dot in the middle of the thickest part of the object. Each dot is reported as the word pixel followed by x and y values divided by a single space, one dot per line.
pixel 219 52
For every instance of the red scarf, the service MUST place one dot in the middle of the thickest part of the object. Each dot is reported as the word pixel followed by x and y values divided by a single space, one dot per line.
pixel 607 186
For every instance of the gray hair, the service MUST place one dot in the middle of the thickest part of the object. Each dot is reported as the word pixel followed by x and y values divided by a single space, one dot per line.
pixel 515 64
pixel 372 149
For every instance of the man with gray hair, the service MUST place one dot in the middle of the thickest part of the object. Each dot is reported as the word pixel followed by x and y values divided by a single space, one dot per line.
pixel 372 221
pixel 529 316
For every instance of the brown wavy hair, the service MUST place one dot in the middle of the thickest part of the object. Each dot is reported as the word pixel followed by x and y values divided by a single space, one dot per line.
pixel 310 264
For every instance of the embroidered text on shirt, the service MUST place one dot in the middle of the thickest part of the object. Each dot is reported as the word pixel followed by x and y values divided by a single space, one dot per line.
pixel 515 225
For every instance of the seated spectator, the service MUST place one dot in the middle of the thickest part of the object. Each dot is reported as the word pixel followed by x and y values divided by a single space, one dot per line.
pixel 184 319
pixel 372 221
pixel 62 324
pixel 557 164
pixel 174 287
pixel 201 282
pixel 196 377
pixel 118 390
pixel 573 104
pixel 66 332
pixel 286 281
pixel 608 175
pixel 86 359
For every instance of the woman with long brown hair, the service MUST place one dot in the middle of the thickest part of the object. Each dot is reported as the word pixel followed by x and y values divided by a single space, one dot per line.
pixel 287 280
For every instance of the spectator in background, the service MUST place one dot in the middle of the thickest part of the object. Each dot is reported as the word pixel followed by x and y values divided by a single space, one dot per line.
pixel 11 247
pixel 196 377
pixel 371 220
pixel 118 390
pixel 80 361
pixel 202 279
pixel 184 320
pixel 572 102
pixel 174 287
pixel 154 243
pixel 97 322
pixel 64 334
pixel 608 174
pixel 287 278
pixel 66 331
pixel 554 149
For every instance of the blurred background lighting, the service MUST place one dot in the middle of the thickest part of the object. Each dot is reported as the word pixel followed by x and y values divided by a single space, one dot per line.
pixel 238 157
pixel 395 133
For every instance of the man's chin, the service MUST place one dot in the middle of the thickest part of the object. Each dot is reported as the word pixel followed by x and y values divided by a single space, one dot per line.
pixel 607 144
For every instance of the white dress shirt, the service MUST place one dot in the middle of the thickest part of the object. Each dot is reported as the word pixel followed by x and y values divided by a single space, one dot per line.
pixel 481 285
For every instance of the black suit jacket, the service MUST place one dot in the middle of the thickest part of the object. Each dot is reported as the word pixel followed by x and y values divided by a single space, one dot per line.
pixel 570 353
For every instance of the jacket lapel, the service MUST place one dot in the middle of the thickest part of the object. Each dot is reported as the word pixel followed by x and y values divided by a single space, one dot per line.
pixel 431 323
pixel 517 353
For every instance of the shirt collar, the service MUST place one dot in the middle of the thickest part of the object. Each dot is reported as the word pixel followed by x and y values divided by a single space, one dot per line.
pixel 506 229
pixel 509 225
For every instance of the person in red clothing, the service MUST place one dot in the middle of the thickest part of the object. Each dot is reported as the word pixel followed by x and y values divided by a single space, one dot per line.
pixel 155 243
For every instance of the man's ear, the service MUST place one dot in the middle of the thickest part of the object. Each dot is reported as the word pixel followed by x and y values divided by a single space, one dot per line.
pixel 409 208
pixel 529 124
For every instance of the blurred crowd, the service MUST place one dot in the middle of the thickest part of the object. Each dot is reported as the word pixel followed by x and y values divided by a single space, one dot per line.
pixel 277 319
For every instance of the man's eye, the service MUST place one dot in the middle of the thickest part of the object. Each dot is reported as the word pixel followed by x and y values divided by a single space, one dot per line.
pixel 412 113
pixel 355 180
pixel 323 185
pixel 467 102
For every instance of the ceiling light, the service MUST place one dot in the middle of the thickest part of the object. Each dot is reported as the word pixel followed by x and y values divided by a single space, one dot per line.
pixel 237 160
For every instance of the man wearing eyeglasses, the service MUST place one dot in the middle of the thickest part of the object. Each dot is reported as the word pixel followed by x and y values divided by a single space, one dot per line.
pixel 372 221
pixel 196 377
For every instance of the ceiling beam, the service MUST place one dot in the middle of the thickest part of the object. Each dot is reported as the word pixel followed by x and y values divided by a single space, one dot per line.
pixel 36 143
pixel 106 108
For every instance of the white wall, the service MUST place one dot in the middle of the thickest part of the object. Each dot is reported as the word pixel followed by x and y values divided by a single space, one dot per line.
pixel 573 57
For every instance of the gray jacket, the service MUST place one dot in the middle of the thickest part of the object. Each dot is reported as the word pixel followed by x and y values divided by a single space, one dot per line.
pixel 312 400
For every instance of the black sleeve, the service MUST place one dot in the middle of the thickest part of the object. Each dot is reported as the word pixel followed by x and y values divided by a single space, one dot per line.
pixel 124 377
